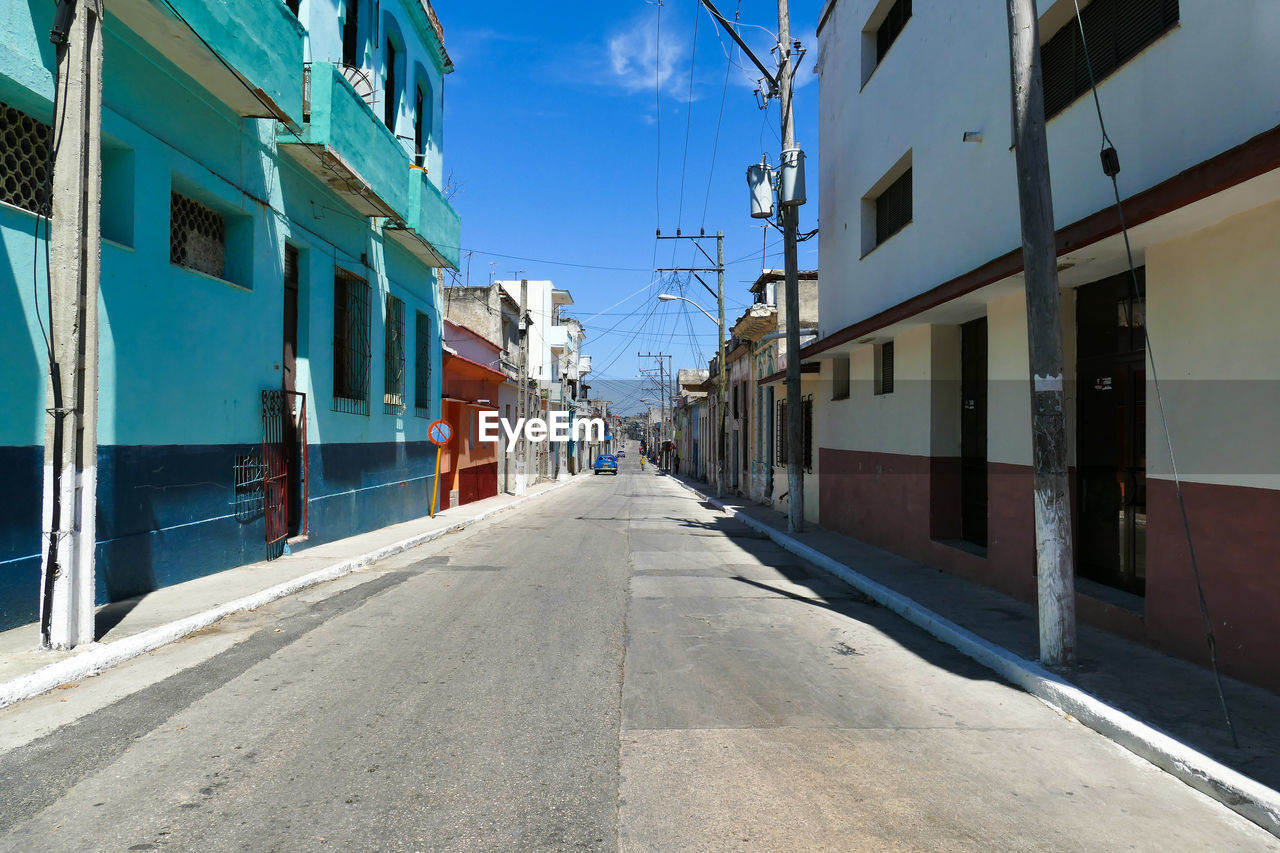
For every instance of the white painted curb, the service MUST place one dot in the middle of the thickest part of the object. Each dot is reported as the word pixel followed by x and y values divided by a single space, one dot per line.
pixel 1247 797
pixel 109 654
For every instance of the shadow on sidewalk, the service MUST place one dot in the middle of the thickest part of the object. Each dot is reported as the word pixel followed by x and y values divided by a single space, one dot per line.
pixel 1174 695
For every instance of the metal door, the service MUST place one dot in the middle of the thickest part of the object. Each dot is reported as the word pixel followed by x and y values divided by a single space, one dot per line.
pixel 284 431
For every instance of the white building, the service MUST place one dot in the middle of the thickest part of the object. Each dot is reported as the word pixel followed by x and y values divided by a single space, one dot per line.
pixel 924 429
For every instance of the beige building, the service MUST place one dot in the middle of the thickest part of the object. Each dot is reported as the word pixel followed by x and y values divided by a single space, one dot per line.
pixel 923 425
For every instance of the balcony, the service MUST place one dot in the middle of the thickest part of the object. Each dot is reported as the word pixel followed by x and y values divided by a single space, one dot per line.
pixel 345 145
pixel 245 52
pixel 432 231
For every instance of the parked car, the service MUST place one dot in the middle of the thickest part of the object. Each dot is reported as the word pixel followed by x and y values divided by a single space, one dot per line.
pixel 605 462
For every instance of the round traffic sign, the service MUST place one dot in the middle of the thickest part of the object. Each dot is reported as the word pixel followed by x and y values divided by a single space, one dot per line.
pixel 440 432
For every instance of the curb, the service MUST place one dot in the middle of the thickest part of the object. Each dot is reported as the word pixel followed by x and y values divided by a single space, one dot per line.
pixel 109 654
pixel 1247 797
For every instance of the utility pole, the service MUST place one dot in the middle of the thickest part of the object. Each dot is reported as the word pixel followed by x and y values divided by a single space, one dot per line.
pixel 790 197
pixel 724 371
pixel 522 400
pixel 71 437
pixel 789 220
pixel 663 366
pixel 1054 558
pixel 718 293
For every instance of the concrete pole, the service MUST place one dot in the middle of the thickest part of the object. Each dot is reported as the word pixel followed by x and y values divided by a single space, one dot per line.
pixel 1054 558
pixel 522 447
pixel 724 368
pixel 789 217
pixel 71 439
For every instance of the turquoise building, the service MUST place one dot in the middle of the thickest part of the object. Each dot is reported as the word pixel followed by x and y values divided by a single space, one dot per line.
pixel 273 228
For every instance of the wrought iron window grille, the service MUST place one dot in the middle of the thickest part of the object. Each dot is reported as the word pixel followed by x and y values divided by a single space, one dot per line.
pixel 351 347
pixel 422 366
pixel 393 358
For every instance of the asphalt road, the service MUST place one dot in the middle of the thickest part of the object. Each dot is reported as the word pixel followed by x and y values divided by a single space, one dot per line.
pixel 614 666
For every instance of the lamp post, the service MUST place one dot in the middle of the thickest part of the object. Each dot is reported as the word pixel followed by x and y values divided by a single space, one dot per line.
pixel 724 368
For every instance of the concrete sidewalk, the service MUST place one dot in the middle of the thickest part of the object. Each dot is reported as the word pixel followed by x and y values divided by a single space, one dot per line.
pixel 1161 708
pixel 135 626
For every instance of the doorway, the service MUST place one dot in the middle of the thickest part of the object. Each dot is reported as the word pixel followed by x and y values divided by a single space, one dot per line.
pixel 294 437
pixel 973 432
pixel 1111 415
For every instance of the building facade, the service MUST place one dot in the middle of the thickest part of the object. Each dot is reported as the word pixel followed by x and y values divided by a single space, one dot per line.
pixel 923 429
pixel 493 314
pixel 269 249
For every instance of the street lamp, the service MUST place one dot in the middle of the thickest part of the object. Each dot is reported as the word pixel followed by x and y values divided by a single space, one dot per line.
pixel 667 297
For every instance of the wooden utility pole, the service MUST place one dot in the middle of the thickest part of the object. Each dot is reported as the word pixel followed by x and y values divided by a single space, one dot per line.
pixel 788 217
pixel 71 441
pixel 1054 558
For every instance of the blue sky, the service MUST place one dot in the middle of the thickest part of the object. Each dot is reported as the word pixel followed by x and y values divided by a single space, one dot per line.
pixel 565 139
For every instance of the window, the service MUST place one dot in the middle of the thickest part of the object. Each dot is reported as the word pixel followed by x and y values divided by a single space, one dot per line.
pixel 891 26
pixel 893 208
pixel 884 368
pixel 351 35
pixel 391 97
pixel 117 193
pixel 780 428
pixel 197 236
pixel 780 442
pixel 25 167
pixel 422 366
pixel 807 413
pixel 419 154
pixel 1115 30
pixel 393 358
pixel 350 343
pixel 840 378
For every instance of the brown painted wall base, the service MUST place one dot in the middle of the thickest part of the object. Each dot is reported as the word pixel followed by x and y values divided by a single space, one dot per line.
pixel 1236 532
pixel 905 504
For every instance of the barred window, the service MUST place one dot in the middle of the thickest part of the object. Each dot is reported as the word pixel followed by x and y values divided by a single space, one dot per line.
pixel 393 358
pixel 350 343
pixel 197 236
pixel 24 160
pixel 1115 30
pixel 422 366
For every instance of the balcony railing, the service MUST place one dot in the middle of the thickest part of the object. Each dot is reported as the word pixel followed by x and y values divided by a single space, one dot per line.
pixel 344 144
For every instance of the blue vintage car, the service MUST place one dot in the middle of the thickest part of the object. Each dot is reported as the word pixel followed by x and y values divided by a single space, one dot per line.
pixel 605 462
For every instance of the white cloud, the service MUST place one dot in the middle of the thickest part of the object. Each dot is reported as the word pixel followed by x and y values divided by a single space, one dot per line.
pixel 637 62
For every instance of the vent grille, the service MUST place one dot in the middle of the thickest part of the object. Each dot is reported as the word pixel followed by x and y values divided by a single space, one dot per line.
pixel 24 160
pixel 197 236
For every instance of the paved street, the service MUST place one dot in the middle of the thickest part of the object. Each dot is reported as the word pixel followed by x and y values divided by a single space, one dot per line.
pixel 614 666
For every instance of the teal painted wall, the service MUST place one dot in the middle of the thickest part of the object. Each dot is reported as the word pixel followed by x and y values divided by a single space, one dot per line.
pixel 185 356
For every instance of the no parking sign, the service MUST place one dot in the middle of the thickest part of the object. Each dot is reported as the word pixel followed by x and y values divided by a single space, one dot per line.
pixel 439 434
